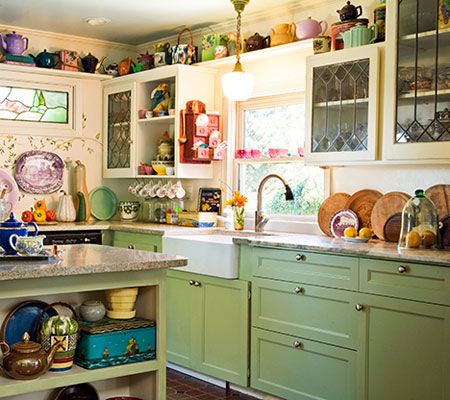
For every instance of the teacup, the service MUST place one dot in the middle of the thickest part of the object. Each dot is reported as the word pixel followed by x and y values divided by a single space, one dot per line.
pixel 27 245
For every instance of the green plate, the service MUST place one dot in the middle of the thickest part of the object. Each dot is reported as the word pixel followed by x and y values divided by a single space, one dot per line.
pixel 103 203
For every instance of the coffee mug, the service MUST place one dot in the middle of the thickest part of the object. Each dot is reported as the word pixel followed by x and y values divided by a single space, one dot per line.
pixel 27 245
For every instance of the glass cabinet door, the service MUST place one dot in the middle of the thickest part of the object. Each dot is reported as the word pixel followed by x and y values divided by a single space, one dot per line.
pixel 423 71
pixel 342 103
pixel 119 130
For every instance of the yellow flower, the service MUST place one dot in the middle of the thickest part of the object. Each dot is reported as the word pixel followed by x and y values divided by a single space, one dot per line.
pixel 238 200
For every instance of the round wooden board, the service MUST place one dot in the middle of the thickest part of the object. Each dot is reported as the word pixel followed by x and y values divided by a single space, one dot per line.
pixel 362 203
pixel 329 207
pixel 392 228
pixel 47 223
pixel 387 205
pixel 440 196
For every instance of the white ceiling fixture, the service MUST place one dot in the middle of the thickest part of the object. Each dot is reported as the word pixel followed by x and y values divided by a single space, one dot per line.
pixel 132 23
pixel 97 21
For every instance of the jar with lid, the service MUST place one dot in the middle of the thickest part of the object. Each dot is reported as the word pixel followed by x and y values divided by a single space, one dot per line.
pixel 419 223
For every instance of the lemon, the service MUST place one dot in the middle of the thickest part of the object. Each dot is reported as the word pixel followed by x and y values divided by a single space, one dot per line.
pixel 350 231
pixel 365 233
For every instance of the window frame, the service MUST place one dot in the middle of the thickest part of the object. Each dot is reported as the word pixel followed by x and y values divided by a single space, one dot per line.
pixel 238 142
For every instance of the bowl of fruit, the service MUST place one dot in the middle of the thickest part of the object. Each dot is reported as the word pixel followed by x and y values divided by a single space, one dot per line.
pixel 352 235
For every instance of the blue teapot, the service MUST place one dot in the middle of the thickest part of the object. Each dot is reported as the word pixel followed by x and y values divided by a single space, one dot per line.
pixel 46 59
pixel 13 226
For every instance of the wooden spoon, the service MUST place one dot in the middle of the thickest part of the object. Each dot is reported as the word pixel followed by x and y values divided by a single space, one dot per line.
pixel 183 138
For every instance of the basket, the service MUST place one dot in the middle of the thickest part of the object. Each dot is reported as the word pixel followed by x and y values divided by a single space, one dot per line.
pixel 64 356
pixel 184 53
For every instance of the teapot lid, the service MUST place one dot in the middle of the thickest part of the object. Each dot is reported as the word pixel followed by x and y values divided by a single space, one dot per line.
pixel 12 222
pixel 347 7
pixel 26 345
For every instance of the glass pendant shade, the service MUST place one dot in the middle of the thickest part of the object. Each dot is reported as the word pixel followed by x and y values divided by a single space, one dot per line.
pixel 238 85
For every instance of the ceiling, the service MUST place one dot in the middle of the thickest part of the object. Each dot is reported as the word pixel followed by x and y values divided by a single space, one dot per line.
pixel 132 21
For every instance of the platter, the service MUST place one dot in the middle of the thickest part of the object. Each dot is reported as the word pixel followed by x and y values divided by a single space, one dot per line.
pixel 341 220
pixel 23 318
pixel 39 172
pixel 103 203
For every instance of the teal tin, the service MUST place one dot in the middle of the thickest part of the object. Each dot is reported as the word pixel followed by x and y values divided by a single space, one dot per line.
pixel 112 342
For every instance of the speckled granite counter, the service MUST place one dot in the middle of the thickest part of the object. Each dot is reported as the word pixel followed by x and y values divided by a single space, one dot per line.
pixel 89 259
pixel 373 249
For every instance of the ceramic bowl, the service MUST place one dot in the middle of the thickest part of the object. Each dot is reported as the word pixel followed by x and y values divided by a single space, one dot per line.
pixel 117 306
pixel 160 166
pixel 120 314
pixel 92 311
pixel 129 210
pixel 123 292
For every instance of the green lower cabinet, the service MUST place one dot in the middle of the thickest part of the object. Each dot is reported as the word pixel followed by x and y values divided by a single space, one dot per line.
pixel 406 349
pixel 208 325
pixel 299 369
pixel 138 241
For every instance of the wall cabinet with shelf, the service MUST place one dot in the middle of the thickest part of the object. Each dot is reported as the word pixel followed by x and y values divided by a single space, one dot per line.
pixel 417 94
pixel 138 141
pixel 342 106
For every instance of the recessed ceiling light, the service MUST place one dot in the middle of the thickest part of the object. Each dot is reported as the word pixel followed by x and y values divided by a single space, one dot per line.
pixel 97 21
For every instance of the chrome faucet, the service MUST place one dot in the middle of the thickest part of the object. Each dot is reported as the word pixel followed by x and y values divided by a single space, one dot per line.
pixel 260 219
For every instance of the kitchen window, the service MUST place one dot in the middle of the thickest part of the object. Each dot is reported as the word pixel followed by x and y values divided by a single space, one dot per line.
pixel 267 126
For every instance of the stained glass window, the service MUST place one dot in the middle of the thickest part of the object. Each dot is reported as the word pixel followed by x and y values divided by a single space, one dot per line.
pixel 34 105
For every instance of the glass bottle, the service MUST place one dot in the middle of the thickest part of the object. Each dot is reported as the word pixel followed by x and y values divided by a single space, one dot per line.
pixel 419 223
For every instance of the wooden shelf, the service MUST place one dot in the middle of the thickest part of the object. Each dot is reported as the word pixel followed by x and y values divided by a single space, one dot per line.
pixel 53 72
pixel 277 160
pixel 341 102
pixel 157 176
pixel 157 120
pixel 77 375
pixel 424 93
pixel 426 34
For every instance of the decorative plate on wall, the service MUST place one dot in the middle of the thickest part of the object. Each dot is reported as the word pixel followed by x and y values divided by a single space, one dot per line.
pixel 39 172
pixel 8 184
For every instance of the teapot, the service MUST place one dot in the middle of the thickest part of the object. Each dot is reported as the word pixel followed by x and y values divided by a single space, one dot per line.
pixel 14 43
pixel 360 35
pixel 282 34
pixel 147 60
pixel 309 28
pixel 349 11
pixel 89 63
pixel 46 59
pixel 257 42
pixel 26 359
pixel 13 226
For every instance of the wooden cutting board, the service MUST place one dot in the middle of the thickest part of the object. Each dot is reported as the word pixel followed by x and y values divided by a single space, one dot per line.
pixel 362 204
pixel 440 196
pixel 387 205
pixel 392 228
pixel 329 207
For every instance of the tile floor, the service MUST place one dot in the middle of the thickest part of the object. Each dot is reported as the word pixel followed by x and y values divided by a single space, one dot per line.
pixel 184 387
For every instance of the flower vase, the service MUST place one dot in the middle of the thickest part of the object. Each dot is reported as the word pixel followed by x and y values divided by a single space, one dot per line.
pixel 238 218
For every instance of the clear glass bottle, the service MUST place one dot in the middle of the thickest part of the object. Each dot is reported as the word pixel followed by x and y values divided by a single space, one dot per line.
pixel 419 223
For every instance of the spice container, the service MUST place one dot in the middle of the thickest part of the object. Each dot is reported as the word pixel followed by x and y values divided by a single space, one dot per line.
pixel 419 223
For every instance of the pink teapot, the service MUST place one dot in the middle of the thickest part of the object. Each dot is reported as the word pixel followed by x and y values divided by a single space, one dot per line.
pixel 310 28
pixel 14 43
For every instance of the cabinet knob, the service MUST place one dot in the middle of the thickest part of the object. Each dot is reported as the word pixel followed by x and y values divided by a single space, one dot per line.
pixel 402 269
pixel 359 307
pixel 87 240
pixel 197 284
pixel 297 344
pixel 131 246
pixel 299 290
pixel 300 257
pixel 191 282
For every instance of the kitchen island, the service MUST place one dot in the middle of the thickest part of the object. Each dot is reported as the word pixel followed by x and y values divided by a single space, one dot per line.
pixel 84 272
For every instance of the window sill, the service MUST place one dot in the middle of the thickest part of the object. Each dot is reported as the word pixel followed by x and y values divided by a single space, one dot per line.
pixel 269 160
pixel 300 225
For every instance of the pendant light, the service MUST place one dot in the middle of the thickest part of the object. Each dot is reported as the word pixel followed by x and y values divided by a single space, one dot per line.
pixel 238 85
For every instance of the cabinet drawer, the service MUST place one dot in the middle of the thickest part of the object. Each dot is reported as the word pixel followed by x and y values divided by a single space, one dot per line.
pixel 406 280
pixel 301 266
pixel 294 368
pixel 138 241
pixel 312 312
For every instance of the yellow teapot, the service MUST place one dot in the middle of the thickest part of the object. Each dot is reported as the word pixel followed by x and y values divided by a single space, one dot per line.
pixel 282 34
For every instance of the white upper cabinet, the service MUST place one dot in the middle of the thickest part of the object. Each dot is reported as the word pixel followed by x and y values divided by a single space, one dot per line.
pixel 342 106
pixel 417 81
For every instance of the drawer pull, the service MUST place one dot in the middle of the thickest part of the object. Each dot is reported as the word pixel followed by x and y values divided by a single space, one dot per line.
pixel 299 290
pixel 359 307
pixel 402 269
pixel 191 282
pixel 300 257
pixel 197 284
pixel 131 246
pixel 297 345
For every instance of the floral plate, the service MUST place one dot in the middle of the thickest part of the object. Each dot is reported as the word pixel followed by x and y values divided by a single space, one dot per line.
pixel 11 198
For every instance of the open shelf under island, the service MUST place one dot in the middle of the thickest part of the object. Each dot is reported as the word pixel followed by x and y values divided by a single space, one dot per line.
pixel 83 274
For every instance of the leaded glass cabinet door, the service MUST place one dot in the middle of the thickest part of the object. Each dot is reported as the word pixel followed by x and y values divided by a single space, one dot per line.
pixel 119 131
pixel 418 54
pixel 342 104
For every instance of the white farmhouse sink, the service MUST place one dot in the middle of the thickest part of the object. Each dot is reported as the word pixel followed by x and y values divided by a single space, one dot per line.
pixel 212 254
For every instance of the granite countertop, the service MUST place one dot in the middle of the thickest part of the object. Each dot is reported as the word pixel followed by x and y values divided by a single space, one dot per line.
pixel 89 259
pixel 373 249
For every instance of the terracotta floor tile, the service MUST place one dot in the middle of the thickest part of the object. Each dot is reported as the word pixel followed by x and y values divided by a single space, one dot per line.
pixel 184 387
